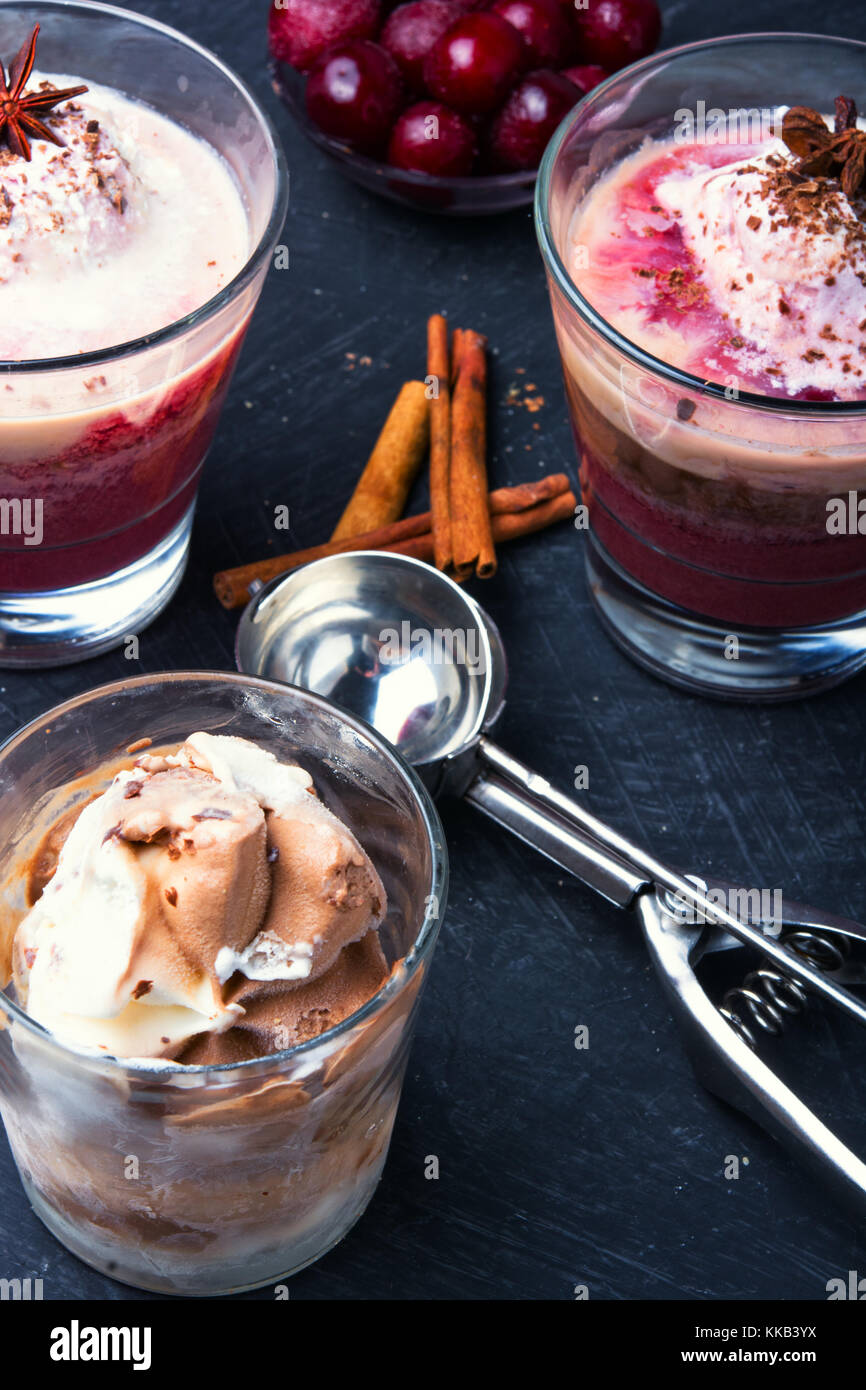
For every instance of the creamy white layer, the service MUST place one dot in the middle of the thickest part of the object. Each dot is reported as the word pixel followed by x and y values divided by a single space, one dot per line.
pixel 792 288
pixel 133 225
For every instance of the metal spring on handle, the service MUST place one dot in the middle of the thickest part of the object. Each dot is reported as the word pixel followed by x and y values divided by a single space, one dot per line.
pixel 769 998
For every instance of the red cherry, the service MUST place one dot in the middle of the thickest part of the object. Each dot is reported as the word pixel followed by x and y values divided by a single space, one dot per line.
pixel 433 139
pixel 354 93
pixel 475 62
pixel 586 76
pixel 548 37
pixel 411 31
pixel 568 9
pixel 300 30
pixel 815 393
pixel 521 131
pixel 614 33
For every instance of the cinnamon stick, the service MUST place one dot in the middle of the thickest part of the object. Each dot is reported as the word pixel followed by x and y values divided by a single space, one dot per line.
pixel 516 511
pixel 383 487
pixel 439 374
pixel 506 526
pixel 456 353
pixel 471 531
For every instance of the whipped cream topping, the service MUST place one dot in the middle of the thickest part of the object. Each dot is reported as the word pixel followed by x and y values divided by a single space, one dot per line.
pixel 724 261
pixel 790 274
pixel 131 226
pixel 67 205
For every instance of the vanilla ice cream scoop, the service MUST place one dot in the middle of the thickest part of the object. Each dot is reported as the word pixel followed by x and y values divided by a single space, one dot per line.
pixel 190 873
pixel 156 876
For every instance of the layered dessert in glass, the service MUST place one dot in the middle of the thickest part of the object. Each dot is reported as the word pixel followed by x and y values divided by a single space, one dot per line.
pixel 216 947
pixel 141 193
pixel 705 237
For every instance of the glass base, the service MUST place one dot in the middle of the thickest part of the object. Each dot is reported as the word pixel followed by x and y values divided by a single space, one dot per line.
pixel 700 655
pixel 225 1275
pixel 62 626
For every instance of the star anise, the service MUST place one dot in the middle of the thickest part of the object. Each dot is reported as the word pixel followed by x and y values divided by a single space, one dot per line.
pixel 838 153
pixel 19 110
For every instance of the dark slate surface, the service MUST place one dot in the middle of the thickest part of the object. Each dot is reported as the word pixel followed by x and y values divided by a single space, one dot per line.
pixel 558 1167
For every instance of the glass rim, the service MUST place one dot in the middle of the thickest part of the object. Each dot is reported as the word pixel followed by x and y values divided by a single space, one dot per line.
pixel 121 351
pixel 415 957
pixel 558 271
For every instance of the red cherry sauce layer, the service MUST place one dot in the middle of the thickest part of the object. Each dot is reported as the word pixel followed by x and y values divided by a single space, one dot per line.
pixel 119 490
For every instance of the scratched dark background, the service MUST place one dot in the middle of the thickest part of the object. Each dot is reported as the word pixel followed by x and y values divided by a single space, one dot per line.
pixel 558 1167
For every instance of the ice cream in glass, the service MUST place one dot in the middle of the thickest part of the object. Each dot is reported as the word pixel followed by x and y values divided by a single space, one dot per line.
pixel 213 949
pixel 141 193
pixel 705 238
pixel 203 908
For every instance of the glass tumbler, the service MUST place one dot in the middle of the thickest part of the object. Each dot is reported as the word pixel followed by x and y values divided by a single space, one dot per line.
pixel 211 1180
pixel 714 554
pixel 104 450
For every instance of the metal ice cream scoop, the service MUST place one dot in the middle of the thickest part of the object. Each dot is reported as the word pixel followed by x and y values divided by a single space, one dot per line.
pixel 401 645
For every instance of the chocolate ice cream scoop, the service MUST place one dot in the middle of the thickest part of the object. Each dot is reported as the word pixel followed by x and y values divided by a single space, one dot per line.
pixel 274 1018
pixel 320 926
pixel 325 893
pixel 198 885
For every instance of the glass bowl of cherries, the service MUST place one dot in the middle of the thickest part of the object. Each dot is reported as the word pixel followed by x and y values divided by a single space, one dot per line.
pixel 447 105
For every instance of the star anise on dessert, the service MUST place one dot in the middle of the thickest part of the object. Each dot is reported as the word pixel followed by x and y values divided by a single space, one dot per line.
pixel 20 111
pixel 838 153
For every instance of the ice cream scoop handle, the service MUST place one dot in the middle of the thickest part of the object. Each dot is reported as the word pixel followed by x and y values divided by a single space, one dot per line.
pixel 620 857
pixel 514 808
